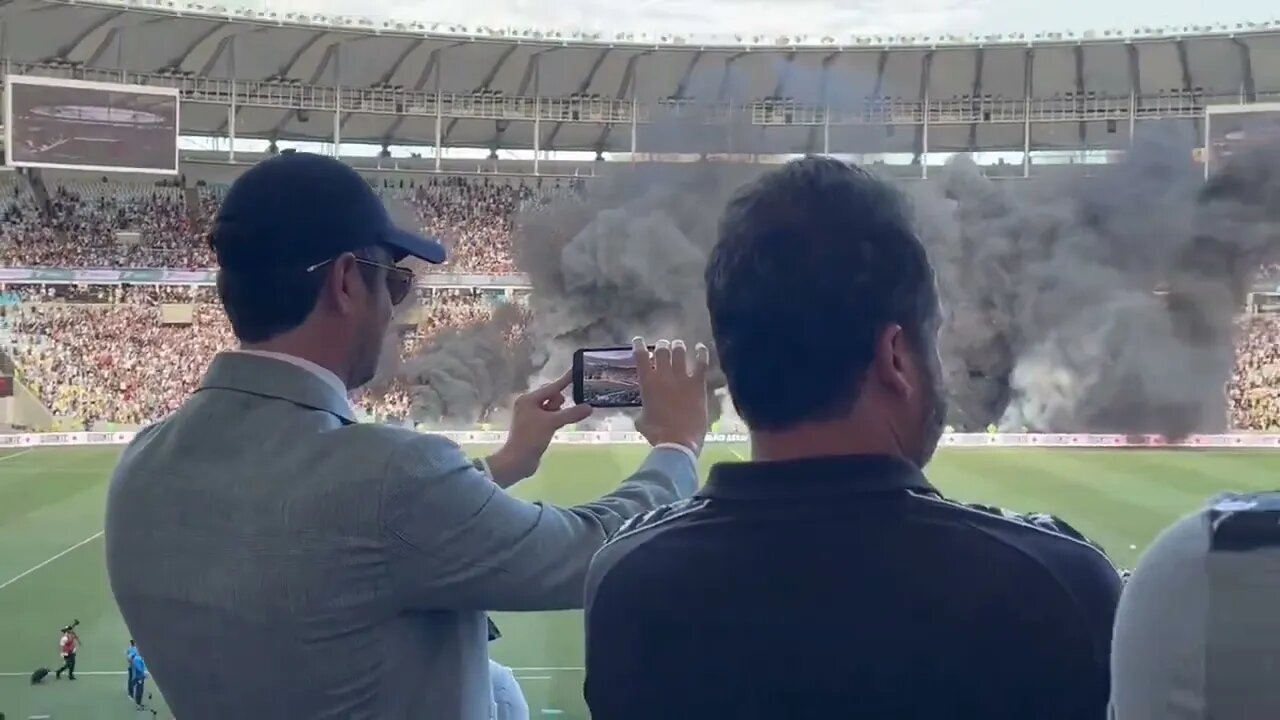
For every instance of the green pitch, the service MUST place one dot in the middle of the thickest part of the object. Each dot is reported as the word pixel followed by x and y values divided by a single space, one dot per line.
pixel 52 570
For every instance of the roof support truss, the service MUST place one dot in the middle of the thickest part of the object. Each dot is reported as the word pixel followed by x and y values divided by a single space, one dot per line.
pixel 179 61
pixel 531 70
pixel 386 77
pixel 583 87
pixel 1248 90
pixel 484 85
pixel 682 87
pixel 918 144
pixel 811 143
pixel 881 63
pixel 1188 83
pixel 627 88
pixel 1082 128
pixel 330 57
pixel 976 93
pixel 430 69
pixel 723 96
pixel 72 46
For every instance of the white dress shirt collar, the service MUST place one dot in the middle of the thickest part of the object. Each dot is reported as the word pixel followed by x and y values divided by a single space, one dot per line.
pixel 325 374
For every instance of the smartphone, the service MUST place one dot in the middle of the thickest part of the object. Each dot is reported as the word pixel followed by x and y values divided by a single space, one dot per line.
pixel 606 377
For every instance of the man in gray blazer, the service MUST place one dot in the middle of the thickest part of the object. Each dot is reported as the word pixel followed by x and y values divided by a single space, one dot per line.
pixel 280 560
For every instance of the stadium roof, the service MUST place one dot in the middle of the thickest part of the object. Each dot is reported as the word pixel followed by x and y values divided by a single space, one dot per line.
pixel 488 67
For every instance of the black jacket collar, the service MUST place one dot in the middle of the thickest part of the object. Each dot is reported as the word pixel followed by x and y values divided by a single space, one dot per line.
pixel 814 477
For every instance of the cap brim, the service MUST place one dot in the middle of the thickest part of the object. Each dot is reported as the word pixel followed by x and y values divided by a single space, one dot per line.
pixel 407 243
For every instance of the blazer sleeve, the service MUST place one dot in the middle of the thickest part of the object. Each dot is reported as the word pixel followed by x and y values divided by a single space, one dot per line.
pixel 456 541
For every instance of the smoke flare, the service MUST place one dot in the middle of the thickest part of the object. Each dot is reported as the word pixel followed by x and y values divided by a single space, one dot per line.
pixel 1100 302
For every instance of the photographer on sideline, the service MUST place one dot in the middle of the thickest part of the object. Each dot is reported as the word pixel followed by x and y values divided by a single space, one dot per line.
pixel 279 559
pixel 68 646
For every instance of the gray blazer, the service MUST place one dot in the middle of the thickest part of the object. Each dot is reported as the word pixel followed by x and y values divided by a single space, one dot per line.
pixel 276 559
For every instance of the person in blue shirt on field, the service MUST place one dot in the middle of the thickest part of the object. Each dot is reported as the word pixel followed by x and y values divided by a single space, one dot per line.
pixel 137 674
pixel 129 655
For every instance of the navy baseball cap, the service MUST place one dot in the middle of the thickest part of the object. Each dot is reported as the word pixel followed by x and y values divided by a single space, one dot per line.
pixel 298 209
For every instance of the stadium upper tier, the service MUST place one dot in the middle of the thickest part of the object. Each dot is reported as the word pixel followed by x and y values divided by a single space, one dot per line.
pixel 408 83
pixel 82 224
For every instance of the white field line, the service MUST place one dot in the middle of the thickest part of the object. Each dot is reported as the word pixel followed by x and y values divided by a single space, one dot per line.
pixel 11 456
pixel 30 570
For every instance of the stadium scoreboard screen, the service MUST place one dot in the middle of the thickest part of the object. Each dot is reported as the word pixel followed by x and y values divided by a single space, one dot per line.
pixel 6 386
pixel 80 125
pixel 1235 129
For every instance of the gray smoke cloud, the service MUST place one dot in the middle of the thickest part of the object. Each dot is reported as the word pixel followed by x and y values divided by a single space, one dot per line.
pixel 465 375
pixel 1098 298
pixel 624 258
pixel 1097 304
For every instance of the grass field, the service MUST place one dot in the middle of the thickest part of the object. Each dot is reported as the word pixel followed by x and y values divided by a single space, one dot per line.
pixel 52 569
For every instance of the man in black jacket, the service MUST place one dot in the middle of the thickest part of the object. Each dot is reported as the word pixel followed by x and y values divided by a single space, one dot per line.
pixel 827 577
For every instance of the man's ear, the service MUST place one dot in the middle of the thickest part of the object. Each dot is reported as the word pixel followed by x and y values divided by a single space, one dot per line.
pixel 343 283
pixel 893 364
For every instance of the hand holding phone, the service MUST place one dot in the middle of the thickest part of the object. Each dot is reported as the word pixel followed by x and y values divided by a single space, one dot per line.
pixel 535 418
pixel 675 394
pixel 660 378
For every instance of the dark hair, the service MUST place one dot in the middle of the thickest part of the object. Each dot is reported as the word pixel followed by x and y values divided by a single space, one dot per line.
pixel 262 303
pixel 814 260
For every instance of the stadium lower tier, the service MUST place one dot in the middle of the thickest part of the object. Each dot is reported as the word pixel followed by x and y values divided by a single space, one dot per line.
pixel 124 364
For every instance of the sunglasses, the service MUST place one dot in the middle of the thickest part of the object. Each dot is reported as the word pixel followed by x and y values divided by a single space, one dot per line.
pixel 399 279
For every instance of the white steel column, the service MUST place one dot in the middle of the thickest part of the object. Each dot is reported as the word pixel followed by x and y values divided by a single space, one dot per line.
pixel 439 111
pixel 337 104
pixel 231 111
pixel 537 113
pixel 924 139
pixel 826 128
pixel 1028 69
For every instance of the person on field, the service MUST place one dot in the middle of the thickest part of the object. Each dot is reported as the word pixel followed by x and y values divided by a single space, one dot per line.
pixel 128 655
pixel 333 569
pixel 68 646
pixel 137 676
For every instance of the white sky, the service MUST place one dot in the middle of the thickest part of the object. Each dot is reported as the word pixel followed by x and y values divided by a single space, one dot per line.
pixel 814 17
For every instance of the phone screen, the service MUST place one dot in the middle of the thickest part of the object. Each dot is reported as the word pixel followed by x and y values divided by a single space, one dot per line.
pixel 606 377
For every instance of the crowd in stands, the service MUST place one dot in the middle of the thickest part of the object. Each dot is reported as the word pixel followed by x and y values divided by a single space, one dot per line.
pixel 473 220
pixel 83 228
pixel 81 360
pixel 114 363
pixel 1253 395
pixel 103 363
pixel 137 294
pixel 86 351
pixel 89 224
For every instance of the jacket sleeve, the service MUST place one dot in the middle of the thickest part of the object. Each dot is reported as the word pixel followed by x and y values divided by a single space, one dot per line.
pixel 1041 521
pixel 456 541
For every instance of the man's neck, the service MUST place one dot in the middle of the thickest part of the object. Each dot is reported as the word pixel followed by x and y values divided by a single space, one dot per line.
pixel 298 352
pixel 825 439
